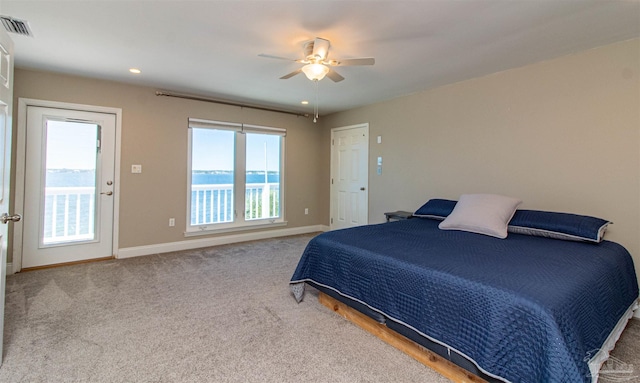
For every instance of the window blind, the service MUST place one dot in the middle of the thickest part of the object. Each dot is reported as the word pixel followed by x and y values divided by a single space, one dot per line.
pixel 244 128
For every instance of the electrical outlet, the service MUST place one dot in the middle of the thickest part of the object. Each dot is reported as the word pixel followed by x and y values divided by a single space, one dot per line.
pixel 136 168
pixel 306 210
pixel 172 222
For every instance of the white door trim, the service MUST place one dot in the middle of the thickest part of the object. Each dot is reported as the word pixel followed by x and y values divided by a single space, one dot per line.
pixel 364 125
pixel 21 140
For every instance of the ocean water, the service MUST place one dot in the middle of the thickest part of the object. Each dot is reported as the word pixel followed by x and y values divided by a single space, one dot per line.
pixel 208 178
pixel 64 177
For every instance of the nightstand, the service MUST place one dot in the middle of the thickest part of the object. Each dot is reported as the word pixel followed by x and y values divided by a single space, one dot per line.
pixel 398 215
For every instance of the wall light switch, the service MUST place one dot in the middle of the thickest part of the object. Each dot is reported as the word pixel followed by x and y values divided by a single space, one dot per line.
pixel 136 168
pixel 379 139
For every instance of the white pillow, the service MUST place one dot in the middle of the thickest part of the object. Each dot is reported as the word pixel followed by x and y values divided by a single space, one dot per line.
pixel 487 214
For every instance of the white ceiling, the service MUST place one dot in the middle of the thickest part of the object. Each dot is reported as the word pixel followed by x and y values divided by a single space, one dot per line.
pixel 210 48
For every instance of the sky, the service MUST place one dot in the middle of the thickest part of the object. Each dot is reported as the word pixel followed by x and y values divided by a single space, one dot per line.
pixel 71 145
pixel 214 150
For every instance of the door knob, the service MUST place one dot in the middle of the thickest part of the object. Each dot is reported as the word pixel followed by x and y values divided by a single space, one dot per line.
pixel 6 218
pixel 107 193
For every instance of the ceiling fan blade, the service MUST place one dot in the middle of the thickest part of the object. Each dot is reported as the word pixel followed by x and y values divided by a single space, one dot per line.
pixel 351 62
pixel 321 48
pixel 295 72
pixel 335 76
pixel 276 57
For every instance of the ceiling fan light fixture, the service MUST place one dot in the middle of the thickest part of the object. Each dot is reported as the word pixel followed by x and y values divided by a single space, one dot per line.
pixel 315 72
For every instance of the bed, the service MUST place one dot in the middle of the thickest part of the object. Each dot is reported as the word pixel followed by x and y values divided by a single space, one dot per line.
pixel 529 307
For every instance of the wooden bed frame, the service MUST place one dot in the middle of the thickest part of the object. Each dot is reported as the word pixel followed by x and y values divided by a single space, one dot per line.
pixel 428 358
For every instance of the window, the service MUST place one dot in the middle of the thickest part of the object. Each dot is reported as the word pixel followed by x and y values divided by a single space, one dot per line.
pixel 235 176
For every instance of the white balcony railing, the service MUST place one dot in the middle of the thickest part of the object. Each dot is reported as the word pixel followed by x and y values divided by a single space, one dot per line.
pixel 213 203
pixel 69 214
pixel 70 211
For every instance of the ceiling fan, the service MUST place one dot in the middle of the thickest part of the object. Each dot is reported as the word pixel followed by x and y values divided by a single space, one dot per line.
pixel 317 62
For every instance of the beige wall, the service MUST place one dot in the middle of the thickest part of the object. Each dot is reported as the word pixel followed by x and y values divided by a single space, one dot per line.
pixel 563 135
pixel 154 134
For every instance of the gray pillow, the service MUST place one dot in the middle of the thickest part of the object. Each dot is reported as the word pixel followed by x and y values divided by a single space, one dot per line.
pixel 487 214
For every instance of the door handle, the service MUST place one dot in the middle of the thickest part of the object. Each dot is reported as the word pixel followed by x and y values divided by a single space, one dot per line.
pixel 107 193
pixel 6 218
pixel 362 188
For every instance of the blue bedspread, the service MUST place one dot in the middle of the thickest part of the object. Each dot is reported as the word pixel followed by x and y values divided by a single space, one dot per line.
pixel 525 309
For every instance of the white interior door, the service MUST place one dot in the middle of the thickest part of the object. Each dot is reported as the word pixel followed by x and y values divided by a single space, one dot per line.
pixel 69 184
pixel 6 102
pixel 349 176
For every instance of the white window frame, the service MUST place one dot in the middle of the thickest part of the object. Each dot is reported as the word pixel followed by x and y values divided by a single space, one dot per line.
pixel 239 221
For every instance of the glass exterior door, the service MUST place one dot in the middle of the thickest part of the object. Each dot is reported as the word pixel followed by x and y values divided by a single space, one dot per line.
pixel 69 213
pixel 68 208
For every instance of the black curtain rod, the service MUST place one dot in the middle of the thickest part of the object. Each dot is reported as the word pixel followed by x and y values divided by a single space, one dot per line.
pixel 222 102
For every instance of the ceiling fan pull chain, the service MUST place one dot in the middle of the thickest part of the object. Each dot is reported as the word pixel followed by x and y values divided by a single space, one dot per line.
pixel 315 111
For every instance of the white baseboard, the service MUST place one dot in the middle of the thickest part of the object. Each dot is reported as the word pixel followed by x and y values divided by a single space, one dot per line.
pixel 136 251
pixel 10 268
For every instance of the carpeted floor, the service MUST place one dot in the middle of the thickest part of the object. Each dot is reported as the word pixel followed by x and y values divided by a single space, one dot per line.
pixel 220 314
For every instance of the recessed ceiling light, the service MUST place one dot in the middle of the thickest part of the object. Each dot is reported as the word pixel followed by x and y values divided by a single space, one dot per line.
pixel 305 102
pixel 135 70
